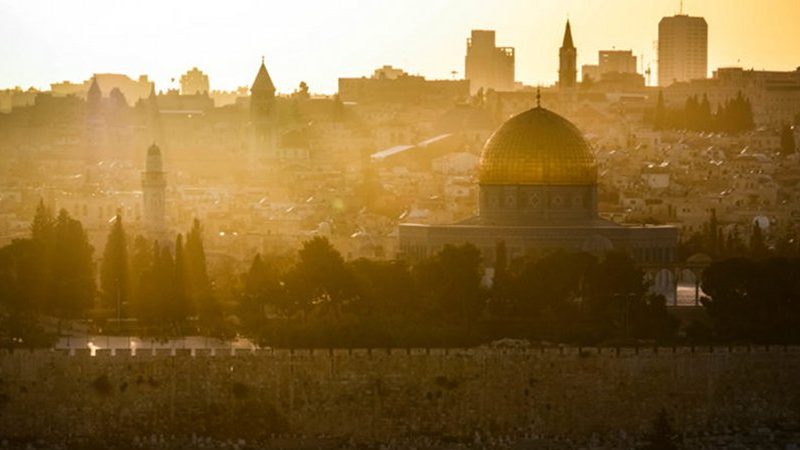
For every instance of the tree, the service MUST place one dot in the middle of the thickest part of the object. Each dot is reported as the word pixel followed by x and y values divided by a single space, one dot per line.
pixel 754 300
pixel 179 304
pixel 262 290
pixel 198 284
pixel 114 271
pixel 320 280
pixel 20 278
pixel 150 296
pixel 43 222
pixel 617 303
pixel 788 146
pixel 141 265
pixel 167 316
pixel 302 91
pixel 451 283
pixel 385 291
pixel 705 120
pixel 691 114
pixel 72 282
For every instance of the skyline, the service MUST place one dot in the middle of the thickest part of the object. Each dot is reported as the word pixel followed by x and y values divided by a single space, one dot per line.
pixel 228 43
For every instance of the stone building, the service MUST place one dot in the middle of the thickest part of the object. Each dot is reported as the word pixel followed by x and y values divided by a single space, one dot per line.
pixel 538 193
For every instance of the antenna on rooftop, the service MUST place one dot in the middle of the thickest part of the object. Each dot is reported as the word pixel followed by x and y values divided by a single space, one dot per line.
pixel 681 8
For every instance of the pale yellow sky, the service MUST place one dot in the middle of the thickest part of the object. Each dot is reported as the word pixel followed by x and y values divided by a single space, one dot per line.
pixel 320 40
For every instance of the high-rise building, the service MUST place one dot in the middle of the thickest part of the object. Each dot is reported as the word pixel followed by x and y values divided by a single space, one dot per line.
pixel 194 82
pixel 682 49
pixel 154 185
pixel 486 65
pixel 567 61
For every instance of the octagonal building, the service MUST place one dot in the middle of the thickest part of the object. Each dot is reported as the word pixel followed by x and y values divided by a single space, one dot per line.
pixel 538 193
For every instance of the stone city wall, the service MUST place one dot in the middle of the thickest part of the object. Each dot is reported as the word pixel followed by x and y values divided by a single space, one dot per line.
pixel 370 395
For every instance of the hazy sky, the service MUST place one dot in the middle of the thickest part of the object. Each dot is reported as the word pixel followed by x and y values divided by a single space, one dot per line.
pixel 320 40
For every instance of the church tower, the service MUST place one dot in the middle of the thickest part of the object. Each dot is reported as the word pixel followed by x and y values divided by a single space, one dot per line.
pixel 154 186
pixel 567 56
pixel 262 116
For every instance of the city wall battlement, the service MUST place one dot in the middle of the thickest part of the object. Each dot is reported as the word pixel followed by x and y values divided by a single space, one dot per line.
pixel 612 352
pixel 378 394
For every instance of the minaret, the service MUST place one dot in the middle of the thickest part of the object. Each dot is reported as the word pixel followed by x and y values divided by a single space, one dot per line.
pixel 567 56
pixel 154 185
pixel 262 116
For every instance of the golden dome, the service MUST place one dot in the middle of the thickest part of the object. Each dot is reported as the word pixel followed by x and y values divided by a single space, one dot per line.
pixel 537 147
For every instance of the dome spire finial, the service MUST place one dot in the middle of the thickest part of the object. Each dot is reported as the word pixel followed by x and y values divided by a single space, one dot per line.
pixel 539 96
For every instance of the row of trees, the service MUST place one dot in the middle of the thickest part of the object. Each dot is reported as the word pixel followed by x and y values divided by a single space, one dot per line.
pixel 753 242
pixel 734 116
pixel 49 273
pixel 160 285
pixel 321 300
pixel 754 300
pixel 52 273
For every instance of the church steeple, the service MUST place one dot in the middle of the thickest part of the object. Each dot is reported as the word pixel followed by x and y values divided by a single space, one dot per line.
pixel 567 37
pixel 262 94
pixel 263 82
pixel 567 56
pixel 263 118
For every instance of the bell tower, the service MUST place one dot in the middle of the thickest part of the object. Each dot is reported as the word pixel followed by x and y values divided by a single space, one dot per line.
pixel 262 117
pixel 567 58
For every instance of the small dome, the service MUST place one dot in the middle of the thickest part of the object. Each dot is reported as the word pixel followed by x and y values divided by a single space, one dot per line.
pixel 154 163
pixel 537 147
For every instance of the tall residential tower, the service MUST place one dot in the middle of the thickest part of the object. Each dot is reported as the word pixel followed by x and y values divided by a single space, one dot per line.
pixel 487 66
pixel 682 49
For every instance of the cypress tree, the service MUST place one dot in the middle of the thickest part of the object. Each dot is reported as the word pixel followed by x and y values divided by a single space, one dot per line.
pixel 114 271
pixel 179 304
pixel 198 285
pixel 72 282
